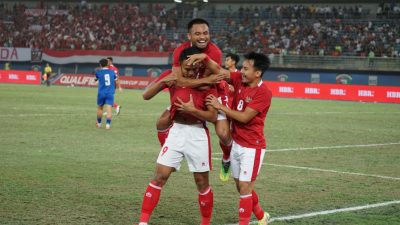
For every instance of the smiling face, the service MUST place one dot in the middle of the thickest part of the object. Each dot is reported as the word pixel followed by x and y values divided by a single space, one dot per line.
pixel 199 35
pixel 250 75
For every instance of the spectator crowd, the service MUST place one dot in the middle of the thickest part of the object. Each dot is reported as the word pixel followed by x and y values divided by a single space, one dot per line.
pixel 287 30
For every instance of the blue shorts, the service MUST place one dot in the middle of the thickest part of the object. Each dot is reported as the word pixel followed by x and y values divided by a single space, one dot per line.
pixel 105 99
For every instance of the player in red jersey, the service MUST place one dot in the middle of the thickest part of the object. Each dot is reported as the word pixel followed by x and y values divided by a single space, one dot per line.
pixel 112 67
pixel 199 37
pixel 231 62
pixel 252 100
pixel 188 138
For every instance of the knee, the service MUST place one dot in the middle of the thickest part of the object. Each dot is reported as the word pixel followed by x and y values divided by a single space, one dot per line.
pixel 224 136
pixel 160 179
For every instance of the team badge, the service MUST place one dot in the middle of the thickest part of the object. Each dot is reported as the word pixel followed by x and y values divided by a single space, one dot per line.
pixel 248 99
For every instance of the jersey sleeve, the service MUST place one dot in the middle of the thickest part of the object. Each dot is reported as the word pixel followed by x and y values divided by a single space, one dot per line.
pixel 176 54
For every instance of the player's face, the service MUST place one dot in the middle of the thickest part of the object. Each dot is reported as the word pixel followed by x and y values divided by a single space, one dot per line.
pixel 229 62
pixel 249 73
pixel 199 35
pixel 109 62
pixel 191 71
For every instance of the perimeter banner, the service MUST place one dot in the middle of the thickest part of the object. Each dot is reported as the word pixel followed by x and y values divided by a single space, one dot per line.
pixel 361 93
pixel 19 77
pixel 89 81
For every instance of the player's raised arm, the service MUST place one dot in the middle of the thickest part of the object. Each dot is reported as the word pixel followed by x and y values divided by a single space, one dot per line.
pixel 165 80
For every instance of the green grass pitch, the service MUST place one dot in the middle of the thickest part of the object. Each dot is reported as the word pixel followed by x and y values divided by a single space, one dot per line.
pixel 57 168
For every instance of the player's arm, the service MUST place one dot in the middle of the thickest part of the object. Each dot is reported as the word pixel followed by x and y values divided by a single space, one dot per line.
pixel 243 117
pixel 210 115
pixel 217 73
pixel 156 87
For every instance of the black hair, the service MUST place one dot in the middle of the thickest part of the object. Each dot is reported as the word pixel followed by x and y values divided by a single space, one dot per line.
pixel 233 56
pixel 196 21
pixel 110 58
pixel 260 61
pixel 188 52
pixel 103 62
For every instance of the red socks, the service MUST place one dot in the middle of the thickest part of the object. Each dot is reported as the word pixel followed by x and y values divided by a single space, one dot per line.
pixel 206 202
pixel 245 209
pixel 162 136
pixel 150 200
pixel 226 149
pixel 257 210
pixel 115 105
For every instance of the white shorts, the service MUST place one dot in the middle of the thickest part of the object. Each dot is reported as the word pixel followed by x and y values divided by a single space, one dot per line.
pixel 189 141
pixel 246 162
pixel 221 115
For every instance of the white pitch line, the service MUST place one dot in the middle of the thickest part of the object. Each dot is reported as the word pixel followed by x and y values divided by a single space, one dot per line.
pixel 326 212
pixel 327 147
pixel 325 170
pixel 333 171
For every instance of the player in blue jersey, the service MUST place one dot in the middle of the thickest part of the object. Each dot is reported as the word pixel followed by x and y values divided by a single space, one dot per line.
pixel 105 95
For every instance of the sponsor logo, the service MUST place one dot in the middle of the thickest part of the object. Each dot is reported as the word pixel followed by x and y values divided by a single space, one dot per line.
pixel 241 210
pixel 12 76
pixel 149 195
pixel 340 92
pixel 312 91
pixel 392 94
pixel 344 79
pixel 286 89
pixel 365 93
pixel 30 77
pixel 202 203
pixel 282 77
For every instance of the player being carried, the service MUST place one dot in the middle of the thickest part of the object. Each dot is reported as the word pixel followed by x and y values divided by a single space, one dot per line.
pixel 199 37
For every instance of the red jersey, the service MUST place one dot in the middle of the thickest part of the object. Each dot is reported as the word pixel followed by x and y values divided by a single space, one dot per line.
pixel 251 134
pixel 184 93
pixel 211 50
pixel 112 67
pixel 225 94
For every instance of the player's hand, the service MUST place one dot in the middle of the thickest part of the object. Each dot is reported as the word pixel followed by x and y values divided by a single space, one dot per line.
pixel 120 89
pixel 185 106
pixel 195 58
pixel 211 100
pixel 169 80
pixel 214 78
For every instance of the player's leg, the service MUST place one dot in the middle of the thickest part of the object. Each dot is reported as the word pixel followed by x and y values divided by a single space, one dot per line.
pixel 222 129
pixel 246 164
pixel 100 104
pixel 117 108
pixel 205 197
pixel 108 116
pixel 198 156
pixel 109 102
pixel 99 115
pixel 163 125
pixel 153 192
pixel 168 161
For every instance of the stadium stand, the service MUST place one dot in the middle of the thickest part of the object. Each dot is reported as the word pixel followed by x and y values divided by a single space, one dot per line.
pixel 305 30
